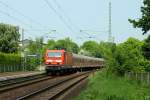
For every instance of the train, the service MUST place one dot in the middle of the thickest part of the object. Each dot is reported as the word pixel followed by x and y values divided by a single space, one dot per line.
pixel 61 61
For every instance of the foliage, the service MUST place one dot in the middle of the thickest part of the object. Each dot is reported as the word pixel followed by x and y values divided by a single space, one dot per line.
pixel 104 50
pixel 144 24
pixel 108 52
pixel 10 62
pixel 146 48
pixel 14 62
pixel 9 38
pixel 35 47
pixel 119 58
pixel 65 44
pixel 147 65
pixel 129 56
pixel 91 48
pixel 50 44
pixel 10 58
pixel 112 87
pixel 32 63
pixel 144 21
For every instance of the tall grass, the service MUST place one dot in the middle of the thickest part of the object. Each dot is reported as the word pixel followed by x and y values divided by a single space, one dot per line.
pixel 111 87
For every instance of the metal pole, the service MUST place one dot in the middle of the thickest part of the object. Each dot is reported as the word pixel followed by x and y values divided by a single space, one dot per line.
pixel 22 47
pixel 109 35
pixel 41 42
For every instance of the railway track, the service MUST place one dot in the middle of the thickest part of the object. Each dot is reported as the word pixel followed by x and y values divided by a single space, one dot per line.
pixel 53 91
pixel 6 83
pixel 42 89
pixel 23 83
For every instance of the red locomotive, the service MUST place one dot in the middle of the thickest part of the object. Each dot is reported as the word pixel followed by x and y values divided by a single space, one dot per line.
pixel 60 61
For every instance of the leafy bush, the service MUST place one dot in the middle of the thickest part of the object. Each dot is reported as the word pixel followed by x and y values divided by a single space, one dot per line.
pixel 32 63
pixel 14 62
pixel 10 62
pixel 129 56
pixel 10 58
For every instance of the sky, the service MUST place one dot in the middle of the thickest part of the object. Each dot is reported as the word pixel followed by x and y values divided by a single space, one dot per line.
pixel 80 20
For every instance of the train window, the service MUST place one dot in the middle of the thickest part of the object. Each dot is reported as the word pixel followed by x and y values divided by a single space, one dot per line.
pixel 54 54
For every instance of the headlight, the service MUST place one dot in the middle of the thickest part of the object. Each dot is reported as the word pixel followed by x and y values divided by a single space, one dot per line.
pixel 58 60
pixel 49 60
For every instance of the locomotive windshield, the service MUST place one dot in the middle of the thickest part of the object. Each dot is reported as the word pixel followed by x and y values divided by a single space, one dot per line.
pixel 54 54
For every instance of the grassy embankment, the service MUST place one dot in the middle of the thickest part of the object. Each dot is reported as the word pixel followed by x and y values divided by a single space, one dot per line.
pixel 103 87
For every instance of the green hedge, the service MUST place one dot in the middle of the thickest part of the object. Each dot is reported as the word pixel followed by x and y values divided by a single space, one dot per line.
pixel 10 62
pixel 10 58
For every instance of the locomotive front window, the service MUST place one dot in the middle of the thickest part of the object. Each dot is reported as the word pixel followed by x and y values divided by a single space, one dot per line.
pixel 54 54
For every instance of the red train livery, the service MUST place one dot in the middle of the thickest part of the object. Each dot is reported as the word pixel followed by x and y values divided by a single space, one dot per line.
pixel 60 61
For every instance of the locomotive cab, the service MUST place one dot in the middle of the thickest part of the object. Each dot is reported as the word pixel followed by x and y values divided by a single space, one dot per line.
pixel 54 58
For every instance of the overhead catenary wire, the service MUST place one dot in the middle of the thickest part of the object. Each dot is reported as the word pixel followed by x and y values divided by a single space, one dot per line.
pixel 87 34
pixel 59 15
pixel 69 20
pixel 14 18
pixel 20 13
pixel 23 22
pixel 20 21
pixel 95 31
pixel 66 16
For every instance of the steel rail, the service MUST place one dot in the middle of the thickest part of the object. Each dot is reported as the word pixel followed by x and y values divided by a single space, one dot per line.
pixel 29 82
pixel 18 80
pixel 59 93
pixel 50 87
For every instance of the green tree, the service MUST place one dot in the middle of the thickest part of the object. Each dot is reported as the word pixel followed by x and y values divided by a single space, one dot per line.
pixel 91 48
pixel 67 45
pixel 129 56
pixel 144 21
pixel 144 24
pixel 9 38
pixel 108 52
pixel 146 48
pixel 50 44
pixel 35 47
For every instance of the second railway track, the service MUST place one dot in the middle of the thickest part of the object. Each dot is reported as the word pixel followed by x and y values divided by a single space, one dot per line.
pixel 8 82
pixel 42 89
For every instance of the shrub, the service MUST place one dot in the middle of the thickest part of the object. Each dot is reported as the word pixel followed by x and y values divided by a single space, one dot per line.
pixel 10 58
